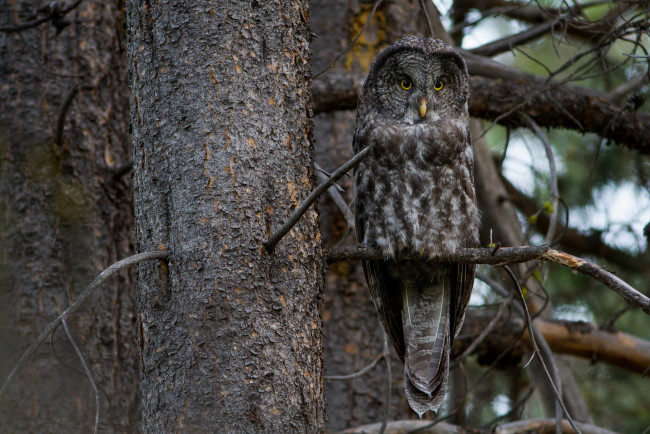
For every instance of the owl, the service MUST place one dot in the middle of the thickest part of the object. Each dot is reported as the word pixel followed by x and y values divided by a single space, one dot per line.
pixel 414 199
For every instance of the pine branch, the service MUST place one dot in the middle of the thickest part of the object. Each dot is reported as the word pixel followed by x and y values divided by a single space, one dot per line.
pixel 511 255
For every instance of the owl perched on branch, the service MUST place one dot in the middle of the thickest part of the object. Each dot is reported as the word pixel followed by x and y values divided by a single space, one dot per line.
pixel 415 196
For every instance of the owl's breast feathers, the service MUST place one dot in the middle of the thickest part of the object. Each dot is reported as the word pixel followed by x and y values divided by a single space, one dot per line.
pixel 415 190
pixel 415 195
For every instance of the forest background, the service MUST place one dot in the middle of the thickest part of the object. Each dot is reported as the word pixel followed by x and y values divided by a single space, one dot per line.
pixel 193 129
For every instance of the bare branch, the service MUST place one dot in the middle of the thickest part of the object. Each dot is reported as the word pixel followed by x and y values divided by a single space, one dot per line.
pixel 359 373
pixel 55 14
pixel 63 112
pixel 550 233
pixel 515 93
pixel 547 425
pixel 508 42
pixel 575 338
pixel 511 255
pixel 96 283
pixel 304 206
pixel 588 341
pixel 86 370
pixel 519 427
pixel 505 100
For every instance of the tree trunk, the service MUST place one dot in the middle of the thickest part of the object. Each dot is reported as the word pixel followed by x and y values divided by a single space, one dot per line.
pixel 64 217
pixel 229 334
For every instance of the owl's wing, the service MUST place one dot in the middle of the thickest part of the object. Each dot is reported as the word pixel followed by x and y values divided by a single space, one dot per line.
pixel 386 295
pixel 463 281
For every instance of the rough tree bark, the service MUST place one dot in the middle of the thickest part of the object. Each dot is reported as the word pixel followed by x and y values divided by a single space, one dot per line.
pixel 64 216
pixel 229 334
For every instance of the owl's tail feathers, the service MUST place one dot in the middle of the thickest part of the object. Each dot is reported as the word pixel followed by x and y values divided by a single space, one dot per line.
pixel 425 317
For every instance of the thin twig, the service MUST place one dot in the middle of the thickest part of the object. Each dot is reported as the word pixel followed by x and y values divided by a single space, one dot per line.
pixel 609 324
pixel 88 374
pixel 389 381
pixel 341 204
pixel 359 373
pixel 486 331
pixel 63 112
pixel 304 206
pixel 423 7
pixel 55 14
pixel 354 41
pixel 103 276
pixel 507 43
pixel 533 333
pixel 550 233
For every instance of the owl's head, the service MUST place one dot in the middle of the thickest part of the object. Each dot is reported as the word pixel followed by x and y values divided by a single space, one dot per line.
pixel 417 80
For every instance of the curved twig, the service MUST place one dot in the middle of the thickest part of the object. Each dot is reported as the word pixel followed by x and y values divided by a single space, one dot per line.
pixel 359 373
pixel 354 41
pixel 55 14
pixel 535 336
pixel 550 234
pixel 304 206
pixel 87 370
pixel 63 112
pixel 103 276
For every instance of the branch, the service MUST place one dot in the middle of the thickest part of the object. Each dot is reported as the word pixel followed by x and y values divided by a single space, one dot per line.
pixel 519 427
pixel 574 338
pixel 55 14
pixel 588 341
pixel 510 255
pixel 504 44
pixel 581 244
pixel 63 112
pixel 336 91
pixel 502 94
pixel 103 276
pixel 86 370
pixel 304 206
pixel 548 425
pixel 504 102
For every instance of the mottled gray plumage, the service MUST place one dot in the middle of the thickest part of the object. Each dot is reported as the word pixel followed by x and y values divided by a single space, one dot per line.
pixel 415 195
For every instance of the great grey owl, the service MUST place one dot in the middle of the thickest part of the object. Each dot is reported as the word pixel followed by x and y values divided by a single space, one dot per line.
pixel 415 197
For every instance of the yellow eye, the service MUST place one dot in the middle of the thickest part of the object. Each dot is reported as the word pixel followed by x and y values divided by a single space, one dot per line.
pixel 437 85
pixel 406 85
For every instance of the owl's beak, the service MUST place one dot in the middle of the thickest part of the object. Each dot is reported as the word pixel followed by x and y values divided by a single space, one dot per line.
pixel 423 107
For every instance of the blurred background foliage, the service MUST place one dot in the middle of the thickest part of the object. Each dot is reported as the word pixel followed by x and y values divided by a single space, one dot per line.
pixel 606 190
